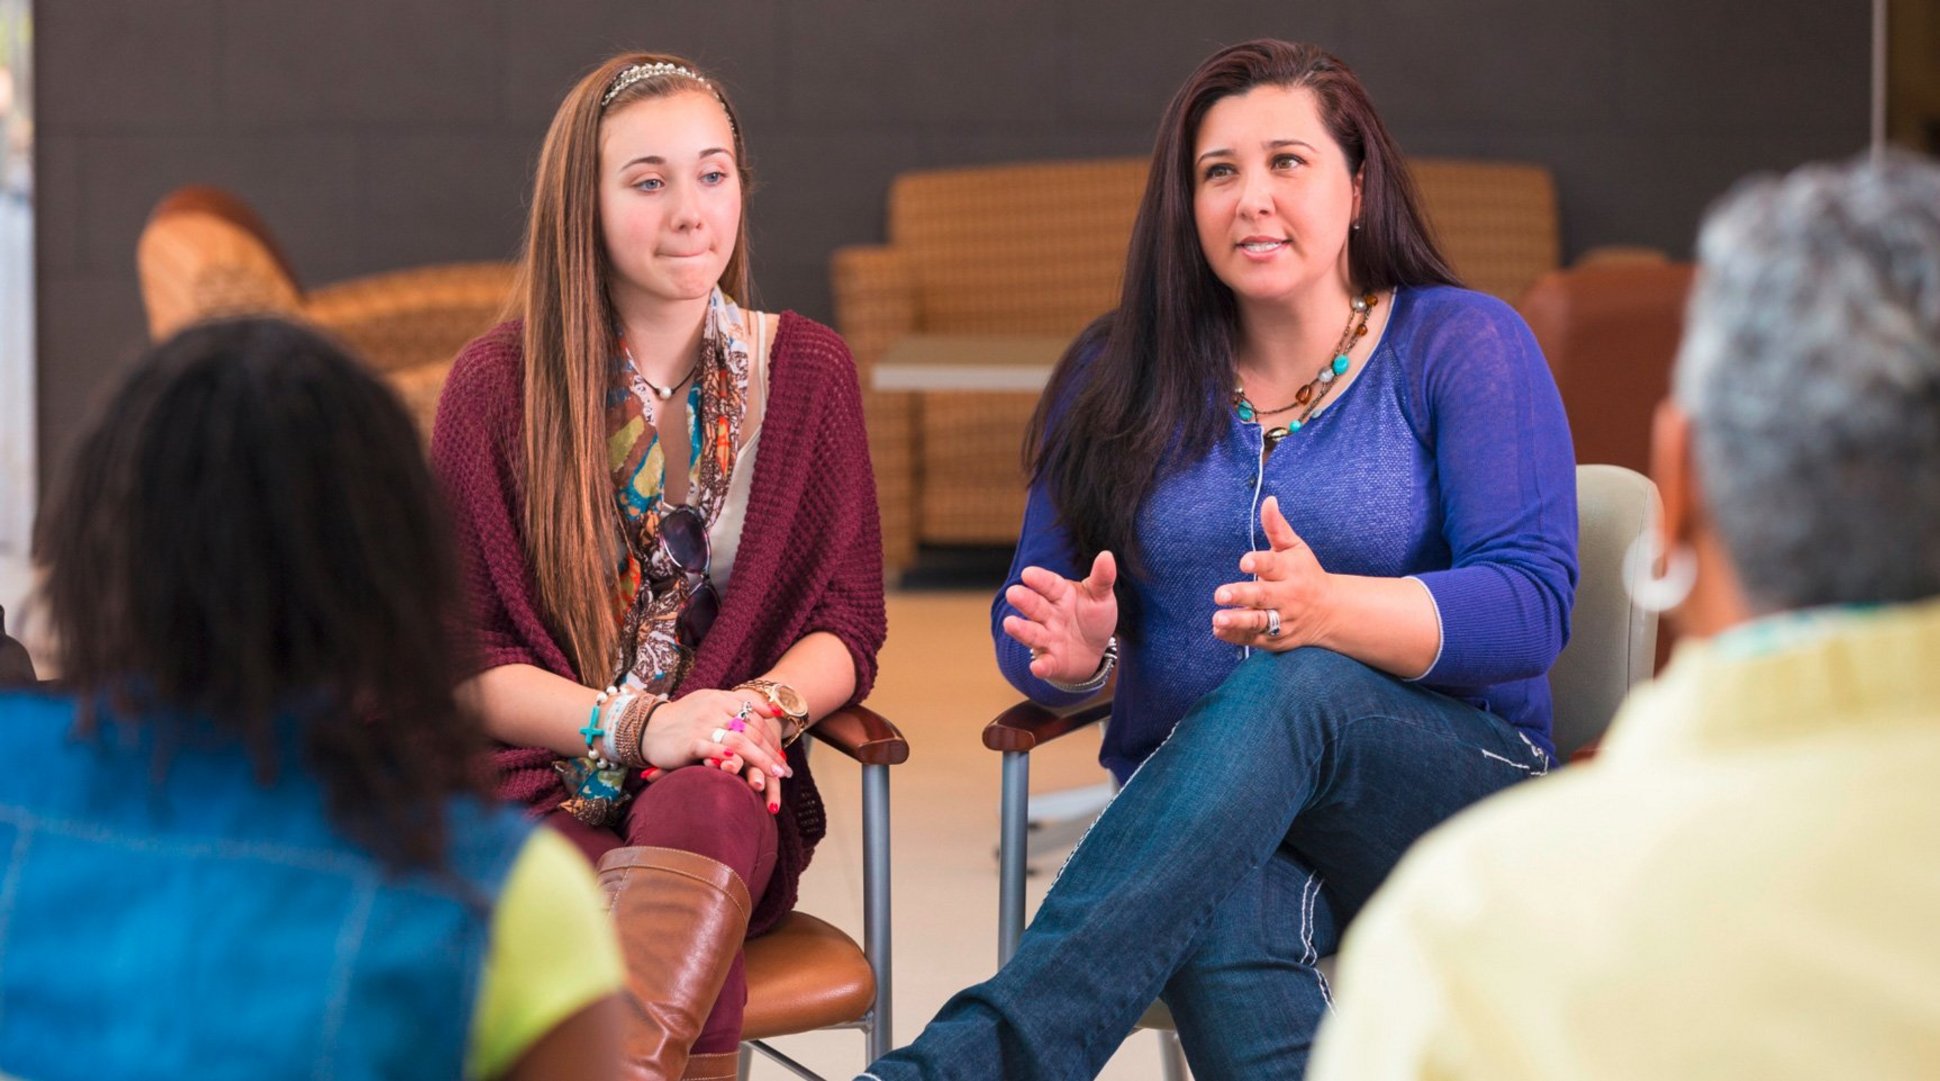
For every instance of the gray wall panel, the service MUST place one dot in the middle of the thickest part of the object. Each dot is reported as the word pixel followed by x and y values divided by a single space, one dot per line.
pixel 374 134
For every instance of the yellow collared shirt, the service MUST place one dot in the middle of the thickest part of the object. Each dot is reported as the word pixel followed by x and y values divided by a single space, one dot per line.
pixel 1745 884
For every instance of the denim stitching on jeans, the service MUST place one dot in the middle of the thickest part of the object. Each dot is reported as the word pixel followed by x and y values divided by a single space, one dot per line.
pixel 1136 770
pixel 1197 923
pixel 1308 893
pixel 1508 762
pixel 1541 756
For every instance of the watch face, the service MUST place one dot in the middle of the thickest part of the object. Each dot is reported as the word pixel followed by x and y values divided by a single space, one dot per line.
pixel 790 700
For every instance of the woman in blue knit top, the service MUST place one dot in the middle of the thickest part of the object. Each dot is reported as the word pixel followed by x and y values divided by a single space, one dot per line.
pixel 1342 493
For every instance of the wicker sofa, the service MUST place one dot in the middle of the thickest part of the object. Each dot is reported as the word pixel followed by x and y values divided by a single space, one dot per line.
pixel 1036 250
pixel 205 253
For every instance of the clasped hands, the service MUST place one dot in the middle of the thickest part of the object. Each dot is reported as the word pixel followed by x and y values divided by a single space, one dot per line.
pixel 1066 624
pixel 681 733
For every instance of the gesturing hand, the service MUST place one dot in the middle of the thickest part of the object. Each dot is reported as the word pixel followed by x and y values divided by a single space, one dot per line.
pixel 1291 585
pixel 1066 624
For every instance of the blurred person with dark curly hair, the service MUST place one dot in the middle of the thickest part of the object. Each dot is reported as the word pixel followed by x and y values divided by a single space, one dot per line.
pixel 250 834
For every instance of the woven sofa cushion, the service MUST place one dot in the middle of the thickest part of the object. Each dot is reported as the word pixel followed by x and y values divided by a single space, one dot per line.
pixel 1496 221
pixel 1016 249
pixel 1039 247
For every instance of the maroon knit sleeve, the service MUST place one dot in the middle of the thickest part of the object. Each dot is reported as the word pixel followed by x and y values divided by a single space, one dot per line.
pixel 475 451
pixel 851 608
pixel 476 455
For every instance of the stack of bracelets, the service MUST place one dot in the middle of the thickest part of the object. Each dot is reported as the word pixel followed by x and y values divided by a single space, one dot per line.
pixel 618 744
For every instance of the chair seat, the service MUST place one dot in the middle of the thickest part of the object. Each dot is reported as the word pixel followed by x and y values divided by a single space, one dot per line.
pixel 804 975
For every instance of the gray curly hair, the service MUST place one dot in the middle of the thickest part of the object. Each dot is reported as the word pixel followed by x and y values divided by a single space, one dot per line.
pixel 1810 369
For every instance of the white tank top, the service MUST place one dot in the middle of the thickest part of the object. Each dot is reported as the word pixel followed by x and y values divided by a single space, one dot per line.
pixel 724 537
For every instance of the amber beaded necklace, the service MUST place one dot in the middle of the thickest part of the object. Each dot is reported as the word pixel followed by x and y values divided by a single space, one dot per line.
pixel 1314 392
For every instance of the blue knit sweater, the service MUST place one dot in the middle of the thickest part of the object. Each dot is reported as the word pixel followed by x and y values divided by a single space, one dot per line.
pixel 1448 459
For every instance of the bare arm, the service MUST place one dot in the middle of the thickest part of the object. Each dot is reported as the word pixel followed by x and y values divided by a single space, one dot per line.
pixel 527 706
pixel 819 666
pixel 530 707
pixel 583 1047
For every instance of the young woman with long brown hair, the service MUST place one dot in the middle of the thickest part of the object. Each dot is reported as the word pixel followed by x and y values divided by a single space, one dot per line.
pixel 674 545
pixel 1343 492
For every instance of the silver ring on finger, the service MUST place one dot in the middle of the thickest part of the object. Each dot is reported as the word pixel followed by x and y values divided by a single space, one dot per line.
pixel 719 735
pixel 1273 623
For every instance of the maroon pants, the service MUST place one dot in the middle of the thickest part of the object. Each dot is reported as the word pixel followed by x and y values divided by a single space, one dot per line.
pixel 701 810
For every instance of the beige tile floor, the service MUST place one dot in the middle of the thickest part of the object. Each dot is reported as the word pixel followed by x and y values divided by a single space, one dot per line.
pixel 939 684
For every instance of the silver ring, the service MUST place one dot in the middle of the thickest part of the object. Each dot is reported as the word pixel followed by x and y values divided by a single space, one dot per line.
pixel 719 735
pixel 1273 623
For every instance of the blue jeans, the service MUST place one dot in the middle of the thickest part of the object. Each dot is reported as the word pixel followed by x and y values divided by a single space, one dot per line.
pixel 1222 872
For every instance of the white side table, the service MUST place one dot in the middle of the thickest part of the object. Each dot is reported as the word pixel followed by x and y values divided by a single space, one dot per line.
pixel 971 362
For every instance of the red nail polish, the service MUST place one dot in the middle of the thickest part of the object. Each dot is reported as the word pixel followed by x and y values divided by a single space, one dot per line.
pixel 774 808
pixel 649 773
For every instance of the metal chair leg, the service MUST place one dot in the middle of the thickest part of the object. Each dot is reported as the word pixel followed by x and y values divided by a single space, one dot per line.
pixel 1012 851
pixel 1172 1055
pixel 875 903
pixel 746 1069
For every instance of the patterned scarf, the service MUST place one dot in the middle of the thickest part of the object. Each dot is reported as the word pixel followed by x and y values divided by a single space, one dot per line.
pixel 716 403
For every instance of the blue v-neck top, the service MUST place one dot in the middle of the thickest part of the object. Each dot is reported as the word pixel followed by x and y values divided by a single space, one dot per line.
pixel 1447 459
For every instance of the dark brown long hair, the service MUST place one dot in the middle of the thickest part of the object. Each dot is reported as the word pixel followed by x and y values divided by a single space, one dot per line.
pixel 247 544
pixel 569 342
pixel 1149 379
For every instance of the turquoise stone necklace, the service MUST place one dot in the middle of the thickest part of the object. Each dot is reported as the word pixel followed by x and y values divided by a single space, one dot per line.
pixel 1314 392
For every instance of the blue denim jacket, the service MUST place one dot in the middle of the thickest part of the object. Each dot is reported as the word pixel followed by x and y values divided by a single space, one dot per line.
pixel 204 925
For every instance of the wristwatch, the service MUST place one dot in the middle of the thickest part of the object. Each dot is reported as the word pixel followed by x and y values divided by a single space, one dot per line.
pixel 793 707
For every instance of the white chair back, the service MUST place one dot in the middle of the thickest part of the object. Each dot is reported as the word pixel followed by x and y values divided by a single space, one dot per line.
pixel 1613 643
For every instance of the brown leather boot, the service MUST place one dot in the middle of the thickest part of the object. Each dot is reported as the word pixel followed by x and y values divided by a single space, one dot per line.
pixel 725 1066
pixel 681 919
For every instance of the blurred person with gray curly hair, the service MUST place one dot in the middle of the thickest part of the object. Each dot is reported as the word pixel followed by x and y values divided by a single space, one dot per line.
pixel 1741 885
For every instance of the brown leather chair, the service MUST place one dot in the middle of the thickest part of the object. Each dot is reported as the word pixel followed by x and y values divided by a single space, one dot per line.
pixel 806 974
pixel 1610 329
pixel 205 253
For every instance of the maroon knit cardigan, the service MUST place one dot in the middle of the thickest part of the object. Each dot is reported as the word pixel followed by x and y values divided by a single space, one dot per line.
pixel 810 556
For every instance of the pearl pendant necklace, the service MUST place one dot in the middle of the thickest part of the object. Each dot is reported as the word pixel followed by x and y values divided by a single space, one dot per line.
pixel 663 393
pixel 666 392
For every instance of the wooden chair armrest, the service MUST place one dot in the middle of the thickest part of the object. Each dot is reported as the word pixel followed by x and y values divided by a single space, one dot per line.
pixel 864 735
pixel 1026 725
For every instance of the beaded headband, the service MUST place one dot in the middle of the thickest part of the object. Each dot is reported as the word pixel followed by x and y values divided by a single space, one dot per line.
pixel 628 76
